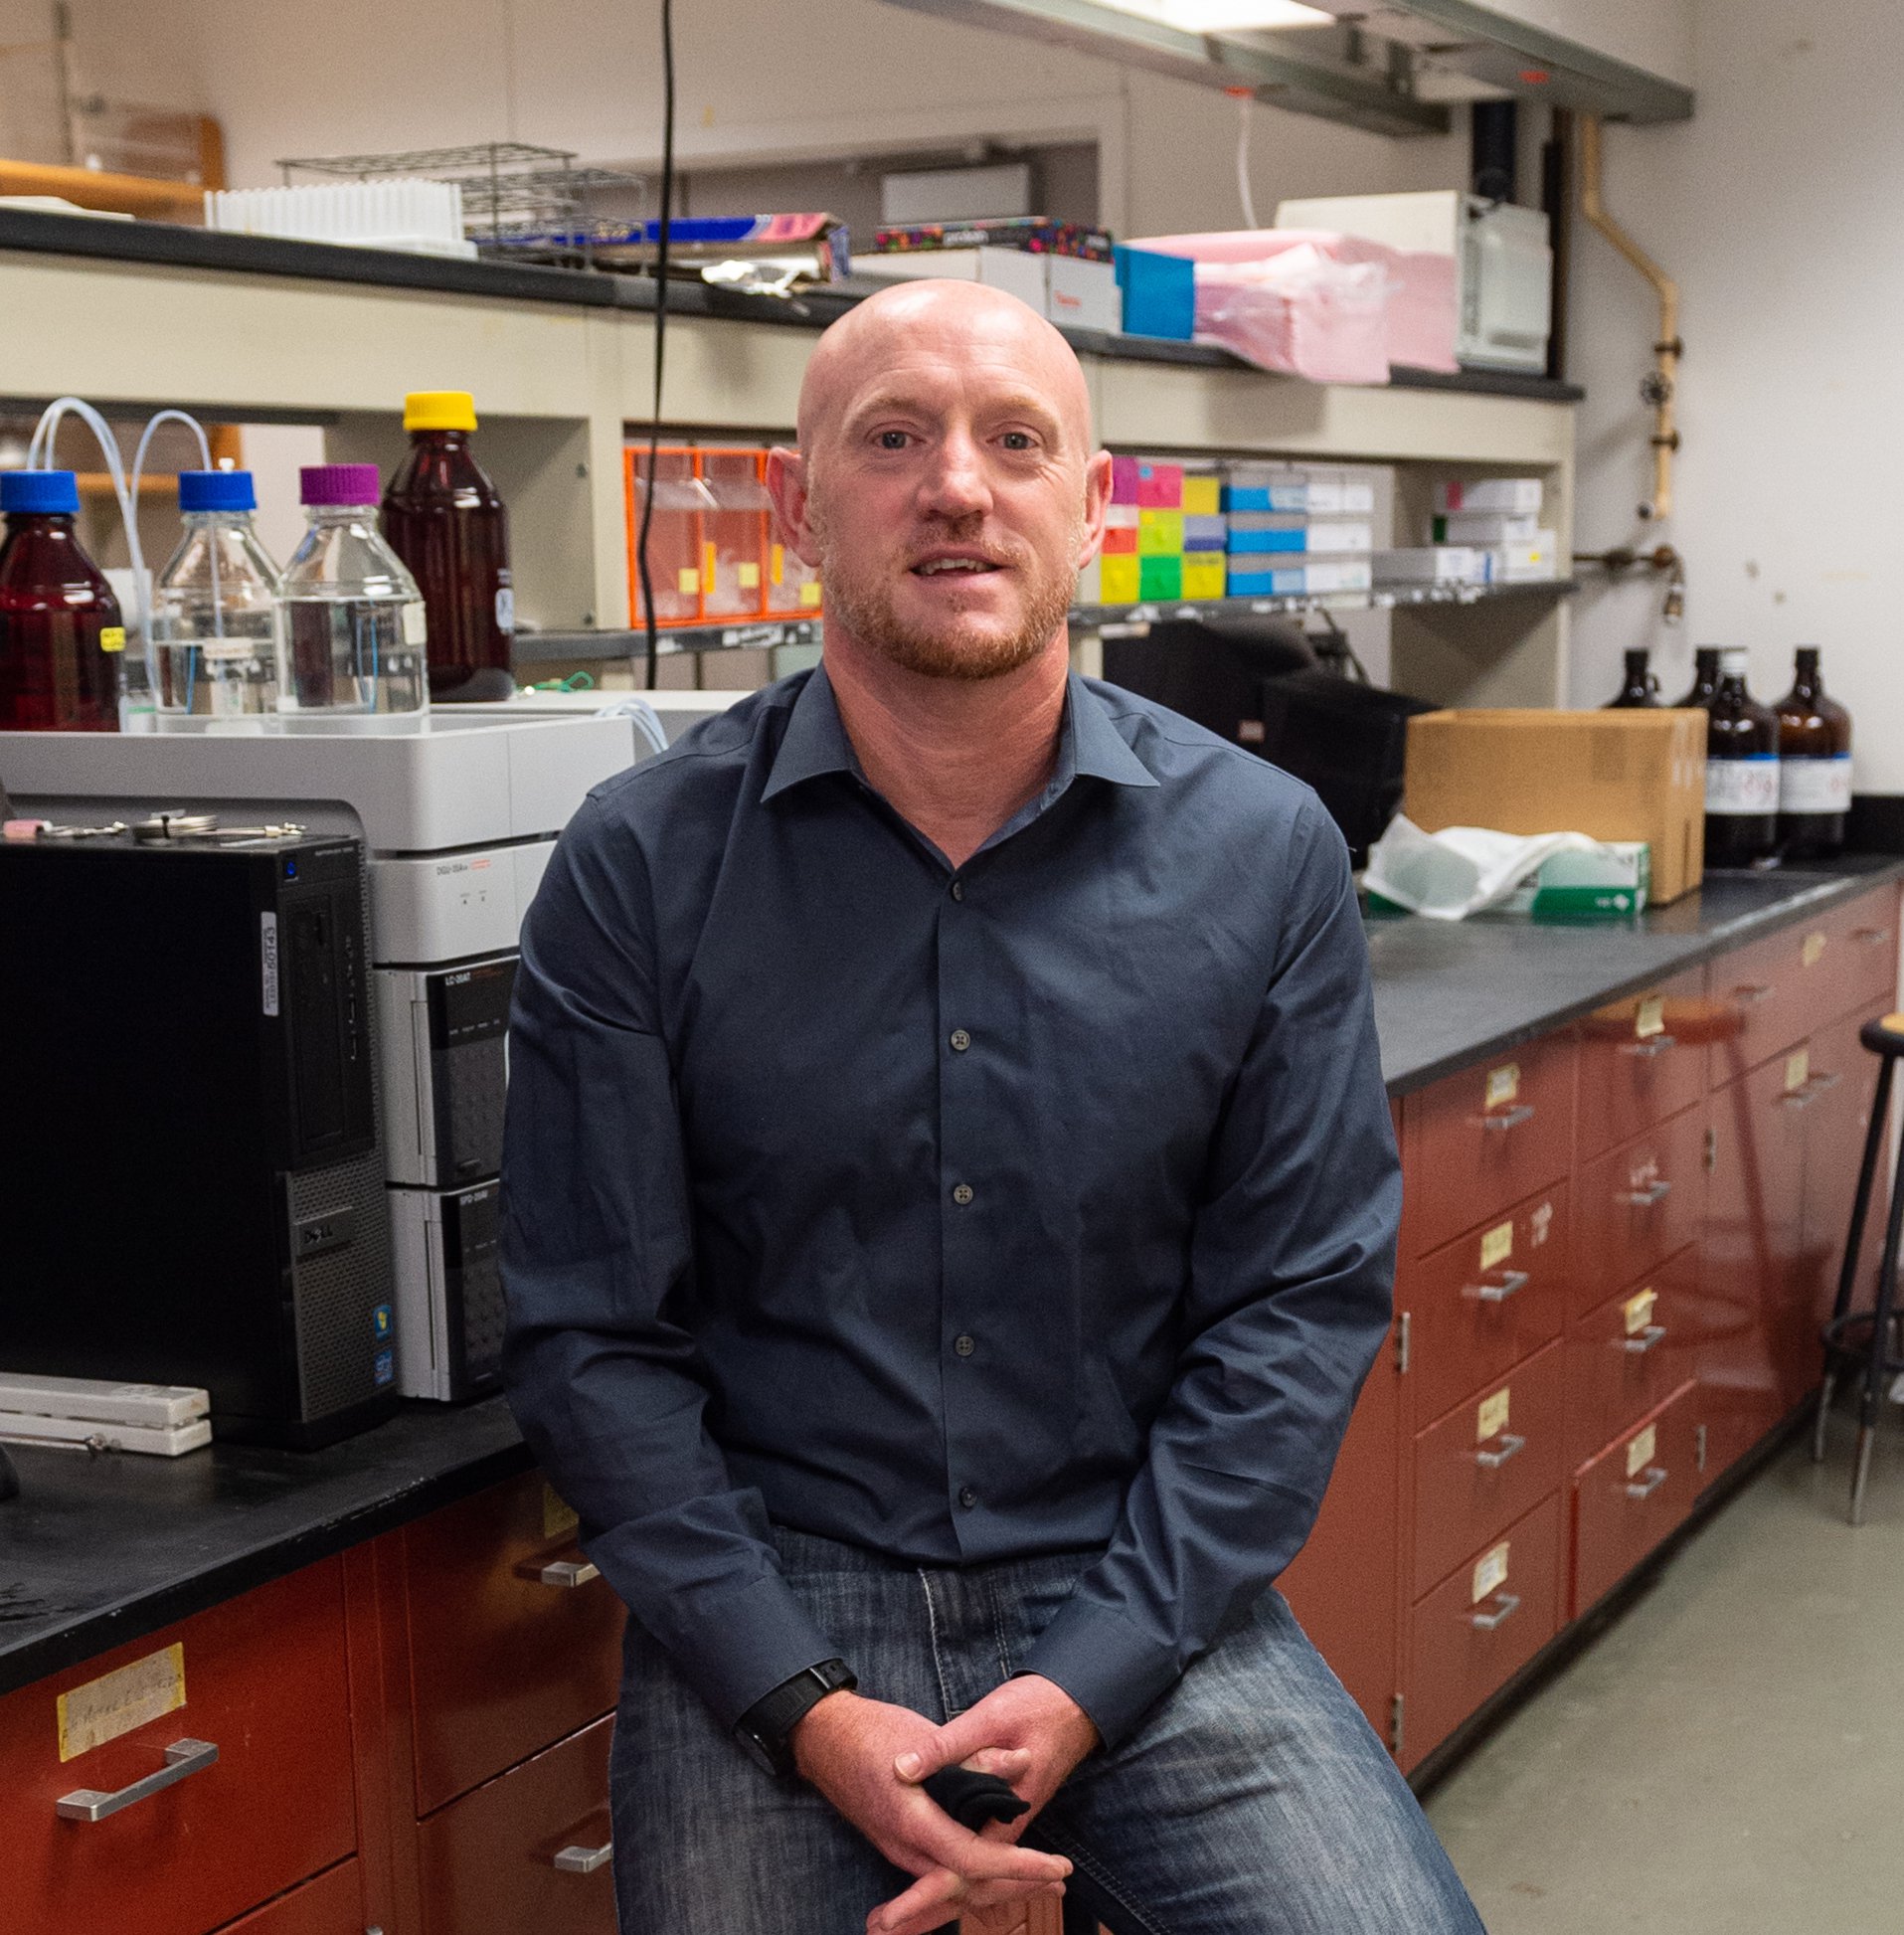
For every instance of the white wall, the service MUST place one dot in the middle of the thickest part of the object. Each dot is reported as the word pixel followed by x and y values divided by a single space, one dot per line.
pixel 1656 35
pixel 1780 209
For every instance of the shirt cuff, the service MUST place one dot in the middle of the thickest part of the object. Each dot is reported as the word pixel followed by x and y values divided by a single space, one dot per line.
pixel 733 1641
pixel 1112 1671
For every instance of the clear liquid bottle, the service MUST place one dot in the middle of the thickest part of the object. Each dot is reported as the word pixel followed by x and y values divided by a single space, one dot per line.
pixel 214 637
pixel 1742 771
pixel 445 519
pixel 61 634
pixel 1639 688
pixel 1705 679
pixel 350 631
pixel 1814 764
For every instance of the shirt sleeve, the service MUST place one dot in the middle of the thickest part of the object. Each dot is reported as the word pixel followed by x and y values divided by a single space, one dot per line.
pixel 1290 1292
pixel 597 1261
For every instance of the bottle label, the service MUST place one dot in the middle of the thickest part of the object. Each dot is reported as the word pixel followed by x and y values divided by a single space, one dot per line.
pixel 112 637
pixel 1815 785
pixel 416 624
pixel 506 609
pixel 1743 787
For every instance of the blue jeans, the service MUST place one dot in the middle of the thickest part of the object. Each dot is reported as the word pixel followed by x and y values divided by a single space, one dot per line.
pixel 1253 1800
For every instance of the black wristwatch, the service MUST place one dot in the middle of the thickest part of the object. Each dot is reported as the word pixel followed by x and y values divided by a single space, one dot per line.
pixel 766 1727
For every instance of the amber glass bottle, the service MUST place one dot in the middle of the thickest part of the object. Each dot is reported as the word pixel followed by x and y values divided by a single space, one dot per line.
pixel 1638 688
pixel 1742 771
pixel 60 625
pixel 1815 766
pixel 1705 679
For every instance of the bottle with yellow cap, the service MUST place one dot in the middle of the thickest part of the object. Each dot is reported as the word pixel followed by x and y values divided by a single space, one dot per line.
pixel 445 519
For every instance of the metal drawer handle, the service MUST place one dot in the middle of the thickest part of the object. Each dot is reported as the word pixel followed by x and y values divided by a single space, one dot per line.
pixel 1657 1045
pixel 1656 1478
pixel 1507 1604
pixel 1645 1342
pixel 1510 1281
pixel 1510 1119
pixel 562 1572
pixel 584 1861
pixel 182 1757
pixel 1809 1091
pixel 1654 1192
pixel 1492 1461
pixel 1753 993
pixel 1871 937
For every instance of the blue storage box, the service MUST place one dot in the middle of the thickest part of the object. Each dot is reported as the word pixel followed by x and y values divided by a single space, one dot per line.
pixel 1289 581
pixel 1160 293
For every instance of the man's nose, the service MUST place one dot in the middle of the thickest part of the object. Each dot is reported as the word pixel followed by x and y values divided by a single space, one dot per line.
pixel 954 484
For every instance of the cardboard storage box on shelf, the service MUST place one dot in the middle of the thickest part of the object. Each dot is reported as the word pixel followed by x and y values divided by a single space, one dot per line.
pixel 1618 775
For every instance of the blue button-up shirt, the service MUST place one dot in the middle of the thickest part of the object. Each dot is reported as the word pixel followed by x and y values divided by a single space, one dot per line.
pixel 1042 1204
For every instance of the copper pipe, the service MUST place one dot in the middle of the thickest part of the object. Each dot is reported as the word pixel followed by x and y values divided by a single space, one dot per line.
pixel 1658 389
pixel 94 187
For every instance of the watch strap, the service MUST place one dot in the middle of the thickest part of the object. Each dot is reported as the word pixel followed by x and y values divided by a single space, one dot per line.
pixel 767 1725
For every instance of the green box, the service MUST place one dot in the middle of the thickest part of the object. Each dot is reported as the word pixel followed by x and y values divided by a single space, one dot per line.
pixel 1159 578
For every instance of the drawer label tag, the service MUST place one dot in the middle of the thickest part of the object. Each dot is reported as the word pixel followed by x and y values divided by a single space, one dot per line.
pixel 1798 1069
pixel 1638 1310
pixel 1541 1224
pixel 1640 1449
pixel 1812 951
pixel 118 1702
pixel 1651 1018
pixel 1503 1085
pixel 1492 1419
pixel 1496 1245
pixel 1491 1573
pixel 558 1517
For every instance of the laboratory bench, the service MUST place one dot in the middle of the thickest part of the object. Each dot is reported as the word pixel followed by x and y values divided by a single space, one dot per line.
pixel 1628 1153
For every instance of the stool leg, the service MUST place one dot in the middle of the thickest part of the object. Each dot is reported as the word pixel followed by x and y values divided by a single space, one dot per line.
pixel 1880 1343
pixel 1854 1242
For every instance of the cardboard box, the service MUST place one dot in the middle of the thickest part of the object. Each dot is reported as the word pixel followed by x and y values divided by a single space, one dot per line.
pixel 1160 533
pixel 1159 578
pixel 1483 527
pixel 1619 776
pixel 1010 269
pixel 1081 294
pixel 1338 574
pixel 1204 574
pixel 1160 293
pixel 1434 564
pixel 1506 494
pixel 1119 579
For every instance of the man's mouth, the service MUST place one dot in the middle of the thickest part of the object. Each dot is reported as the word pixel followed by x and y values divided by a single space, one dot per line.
pixel 948 564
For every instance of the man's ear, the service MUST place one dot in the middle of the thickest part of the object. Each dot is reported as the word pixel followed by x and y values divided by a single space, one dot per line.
pixel 786 485
pixel 1097 500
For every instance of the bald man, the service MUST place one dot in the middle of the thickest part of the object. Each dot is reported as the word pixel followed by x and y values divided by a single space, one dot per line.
pixel 950 1208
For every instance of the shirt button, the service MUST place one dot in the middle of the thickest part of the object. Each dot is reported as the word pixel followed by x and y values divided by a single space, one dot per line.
pixel 964 1345
pixel 962 1193
pixel 959 890
pixel 967 1496
pixel 961 1041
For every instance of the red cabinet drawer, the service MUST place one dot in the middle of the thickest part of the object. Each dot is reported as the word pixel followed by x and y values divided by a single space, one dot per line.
pixel 1636 1205
pixel 1631 1354
pixel 489 1862
pixel 265 1682
pixel 1862 956
pixel 1768 995
pixel 1480 1626
pixel 1478 1140
pixel 503 1659
pixel 1642 1060
pixel 1484 1464
pixel 331 1903
pixel 1479 1305
pixel 1632 1494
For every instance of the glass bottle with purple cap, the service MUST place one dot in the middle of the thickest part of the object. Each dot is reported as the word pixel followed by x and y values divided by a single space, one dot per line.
pixel 350 631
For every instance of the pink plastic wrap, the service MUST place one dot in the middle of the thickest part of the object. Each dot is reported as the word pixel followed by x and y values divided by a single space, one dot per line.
pixel 1419 312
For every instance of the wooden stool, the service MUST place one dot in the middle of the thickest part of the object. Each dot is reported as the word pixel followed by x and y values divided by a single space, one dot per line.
pixel 1855 1337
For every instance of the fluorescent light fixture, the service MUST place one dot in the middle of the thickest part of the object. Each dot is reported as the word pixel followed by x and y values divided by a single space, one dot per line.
pixel 1224 16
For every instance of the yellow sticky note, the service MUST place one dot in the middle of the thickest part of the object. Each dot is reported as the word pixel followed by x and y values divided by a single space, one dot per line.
pixel 1503 1084
pixel 1491 1418
pixel 748 577
pixel 687 580
pixel 777 564
pixel 810 595
pixel 1651 1018
pixel 1638 1310
pixel 1812 950
pixel 1491 1573
pixel 120 1701
pixel 1640 1449
pixel 1496 1245
pixel 1798 1069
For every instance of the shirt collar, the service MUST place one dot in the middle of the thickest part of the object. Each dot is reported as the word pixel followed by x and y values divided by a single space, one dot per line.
pixel 815 742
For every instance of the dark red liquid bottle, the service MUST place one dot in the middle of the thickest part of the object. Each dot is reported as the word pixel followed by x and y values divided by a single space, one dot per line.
pixel 445 519
pixel 60 627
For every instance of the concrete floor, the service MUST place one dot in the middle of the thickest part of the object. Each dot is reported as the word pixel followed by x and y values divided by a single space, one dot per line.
pixel 1728 1759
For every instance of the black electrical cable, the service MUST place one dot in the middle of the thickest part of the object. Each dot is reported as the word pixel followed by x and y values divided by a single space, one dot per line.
pixel 660 328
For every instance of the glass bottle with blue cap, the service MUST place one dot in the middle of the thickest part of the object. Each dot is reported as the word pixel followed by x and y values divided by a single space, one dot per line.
pixel 213 651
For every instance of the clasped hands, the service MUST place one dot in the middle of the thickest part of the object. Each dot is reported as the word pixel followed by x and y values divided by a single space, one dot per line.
pixel 868 1758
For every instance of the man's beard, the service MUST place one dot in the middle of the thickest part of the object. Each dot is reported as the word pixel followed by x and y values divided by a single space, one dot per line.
pixel 948 649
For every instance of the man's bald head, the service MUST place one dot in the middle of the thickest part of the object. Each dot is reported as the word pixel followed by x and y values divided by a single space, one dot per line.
pixel 956 320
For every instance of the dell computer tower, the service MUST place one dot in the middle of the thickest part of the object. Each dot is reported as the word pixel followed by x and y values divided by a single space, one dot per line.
pixel 193 1190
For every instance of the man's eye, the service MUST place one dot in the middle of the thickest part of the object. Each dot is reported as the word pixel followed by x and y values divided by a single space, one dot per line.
pixel 1017 439
pixel 893 440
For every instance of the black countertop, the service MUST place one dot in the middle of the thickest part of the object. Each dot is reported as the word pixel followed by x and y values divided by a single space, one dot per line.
pixel 99 1551
pixel 174 246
